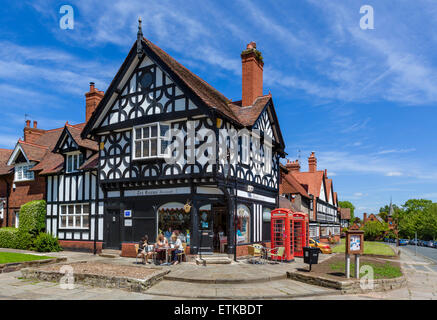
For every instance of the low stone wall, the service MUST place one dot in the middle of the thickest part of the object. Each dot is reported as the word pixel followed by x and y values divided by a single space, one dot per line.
pixel 348 286
pixel 102 281
pixel 15 266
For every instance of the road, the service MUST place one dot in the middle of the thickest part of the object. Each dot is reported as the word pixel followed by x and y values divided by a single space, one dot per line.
pixel 430 253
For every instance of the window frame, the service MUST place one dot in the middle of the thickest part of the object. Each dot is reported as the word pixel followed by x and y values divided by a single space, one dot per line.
pixel 78 160
pixel 160 138
pixel 74 215
pixel 21 166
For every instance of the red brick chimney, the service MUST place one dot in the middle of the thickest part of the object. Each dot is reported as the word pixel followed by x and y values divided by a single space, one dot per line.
pixel 32 134
pixel 92 99
pixel 312 162
pixel 364 218
pixel 293 165
pixel 252 62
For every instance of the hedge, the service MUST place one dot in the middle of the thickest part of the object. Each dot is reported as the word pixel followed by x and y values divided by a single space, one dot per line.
pixel 8 237
pixel 33 216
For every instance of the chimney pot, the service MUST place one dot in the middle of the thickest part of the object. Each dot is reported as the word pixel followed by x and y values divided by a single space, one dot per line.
pixel 92 100
pixel 35 124
pixel 312 162
pixel 252 75
pixel 28 123
pixel 293 165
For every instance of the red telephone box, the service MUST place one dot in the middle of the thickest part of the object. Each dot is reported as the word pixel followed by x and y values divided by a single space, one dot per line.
pixel 300 233
pixel 289 230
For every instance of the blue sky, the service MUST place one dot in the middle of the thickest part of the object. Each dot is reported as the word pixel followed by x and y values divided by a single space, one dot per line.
pixel 363 100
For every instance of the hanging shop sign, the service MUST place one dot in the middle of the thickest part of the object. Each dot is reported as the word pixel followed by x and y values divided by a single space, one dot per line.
pixel 128 213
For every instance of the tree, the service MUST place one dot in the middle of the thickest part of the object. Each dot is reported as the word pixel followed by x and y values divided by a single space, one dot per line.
pixel 348 204
pixel 374 230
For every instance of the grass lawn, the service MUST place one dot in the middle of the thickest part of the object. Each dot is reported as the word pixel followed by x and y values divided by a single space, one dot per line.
pixel 380 270
pixel 370 247
pixel 9 257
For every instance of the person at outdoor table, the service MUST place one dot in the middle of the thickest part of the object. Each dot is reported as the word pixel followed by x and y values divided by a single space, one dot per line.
pixel 141 249
pixel 147 253
pixel 161 245
pixel 178 248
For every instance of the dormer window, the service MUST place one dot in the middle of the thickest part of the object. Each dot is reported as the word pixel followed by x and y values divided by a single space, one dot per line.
pixel 150 141
pixel 22 172
pixel 74 161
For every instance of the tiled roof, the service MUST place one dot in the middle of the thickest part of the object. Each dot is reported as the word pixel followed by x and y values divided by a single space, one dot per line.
pixel 5 154
pixel 33 151
pixel 91 163
pixel 289 184
pixel 247 116
pixel 328 183
pixel 345 213
pixel 312 179
pixel 54 162
pixel 75 132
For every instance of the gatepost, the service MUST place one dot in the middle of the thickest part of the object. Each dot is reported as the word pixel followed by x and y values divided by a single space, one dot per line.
pixel 354 245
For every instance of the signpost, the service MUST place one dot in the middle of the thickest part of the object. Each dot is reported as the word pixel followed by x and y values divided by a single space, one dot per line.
pixel 355 246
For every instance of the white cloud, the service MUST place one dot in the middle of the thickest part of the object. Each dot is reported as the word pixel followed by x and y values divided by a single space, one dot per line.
pixel 394 174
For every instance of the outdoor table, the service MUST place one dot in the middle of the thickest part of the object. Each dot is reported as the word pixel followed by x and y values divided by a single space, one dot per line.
pixel 167 249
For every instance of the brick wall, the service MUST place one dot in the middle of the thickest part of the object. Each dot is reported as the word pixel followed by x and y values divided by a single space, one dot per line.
pixel 87 246
pixel 24 192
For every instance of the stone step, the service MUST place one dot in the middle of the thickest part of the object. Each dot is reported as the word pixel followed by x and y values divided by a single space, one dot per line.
pixel 110 253
pixel 208 260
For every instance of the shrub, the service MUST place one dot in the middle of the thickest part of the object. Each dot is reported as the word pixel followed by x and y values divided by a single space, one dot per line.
pixel 23 240
pixel 33 216
pixel 45 242
pixel 8 237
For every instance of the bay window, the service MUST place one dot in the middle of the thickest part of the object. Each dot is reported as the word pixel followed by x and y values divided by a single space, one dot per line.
pixel 151 141
pixel 74 216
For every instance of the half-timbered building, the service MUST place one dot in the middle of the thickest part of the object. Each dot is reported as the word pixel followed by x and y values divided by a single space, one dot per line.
pixel 202 194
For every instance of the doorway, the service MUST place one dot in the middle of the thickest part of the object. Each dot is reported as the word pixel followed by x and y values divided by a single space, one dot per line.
pixel 220 223
pixel 112 226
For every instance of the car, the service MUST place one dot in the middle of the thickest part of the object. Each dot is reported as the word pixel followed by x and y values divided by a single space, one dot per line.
pixel 403 242
pixel 324 247
pixel 435 244
pixel 430 244
pixel 413 242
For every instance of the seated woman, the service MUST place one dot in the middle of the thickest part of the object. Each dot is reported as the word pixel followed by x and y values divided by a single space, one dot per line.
pixel 141 249
pixel 178 248
pixel 148 251
pixel 161 242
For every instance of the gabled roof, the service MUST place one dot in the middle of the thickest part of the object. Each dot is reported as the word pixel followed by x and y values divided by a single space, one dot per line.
pixel 328 183
pixel 345 213
pixel 314 181
pixel 5 154
pixel 53 162
pixel 202 91
pixel 289 184
pixel 74 132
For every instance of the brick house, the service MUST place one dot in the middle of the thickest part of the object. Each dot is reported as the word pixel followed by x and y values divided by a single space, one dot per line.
pixel 313 192
pixel 23 170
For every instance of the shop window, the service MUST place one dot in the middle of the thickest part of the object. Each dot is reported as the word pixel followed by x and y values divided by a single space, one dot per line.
pixel 151 141
pixel 172 217
pixel 74 216
pixel 243 223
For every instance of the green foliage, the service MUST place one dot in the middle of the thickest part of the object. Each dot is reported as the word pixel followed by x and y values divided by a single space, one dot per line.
pixel 8 237
pixel 374 230
pixel 45 242
pixel 348 204
pixel 33 216
pixel 24 240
